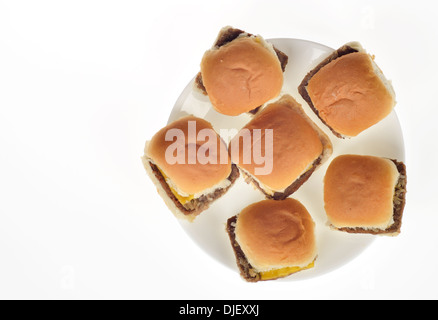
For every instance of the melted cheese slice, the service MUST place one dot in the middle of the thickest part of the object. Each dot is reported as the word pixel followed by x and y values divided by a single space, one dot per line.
pixel 283 272
pixel 182 199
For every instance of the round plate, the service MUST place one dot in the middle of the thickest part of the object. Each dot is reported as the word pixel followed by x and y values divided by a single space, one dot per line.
pixel 335 248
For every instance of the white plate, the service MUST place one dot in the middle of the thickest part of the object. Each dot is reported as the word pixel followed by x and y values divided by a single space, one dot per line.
pixel 335 248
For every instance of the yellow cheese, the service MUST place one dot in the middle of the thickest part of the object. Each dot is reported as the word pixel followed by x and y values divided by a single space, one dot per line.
pixel 283 272
pixel 182 199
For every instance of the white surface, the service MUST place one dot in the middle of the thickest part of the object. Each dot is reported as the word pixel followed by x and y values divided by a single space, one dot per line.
pixel 335 249
pixel 83 84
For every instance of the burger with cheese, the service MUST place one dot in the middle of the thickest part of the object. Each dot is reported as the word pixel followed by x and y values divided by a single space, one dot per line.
pixel 272 239
pixel 190 166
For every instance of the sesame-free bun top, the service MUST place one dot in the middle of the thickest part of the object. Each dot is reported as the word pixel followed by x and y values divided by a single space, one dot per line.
pixel 351 94
pixel 276 234
pixel 241 75
pixel 296 143
pixel 359 191
pixel 197 173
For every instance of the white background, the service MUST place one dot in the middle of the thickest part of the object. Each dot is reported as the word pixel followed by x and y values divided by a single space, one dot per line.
pixel 83 84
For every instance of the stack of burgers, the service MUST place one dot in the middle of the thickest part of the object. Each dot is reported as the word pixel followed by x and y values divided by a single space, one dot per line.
pixel 274 238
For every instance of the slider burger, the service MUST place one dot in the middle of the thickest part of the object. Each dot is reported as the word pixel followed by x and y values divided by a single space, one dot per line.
pixel 188 173
pixel 348 91
pixel 241 72
pixel 272 239
pixel 294 147
pixel 365 194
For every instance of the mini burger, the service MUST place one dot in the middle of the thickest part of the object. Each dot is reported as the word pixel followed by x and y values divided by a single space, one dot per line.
pixel 348 91
pixel 272 239
pixel 190 166
pixel 365 194
pixel 241 72
pixel 293 147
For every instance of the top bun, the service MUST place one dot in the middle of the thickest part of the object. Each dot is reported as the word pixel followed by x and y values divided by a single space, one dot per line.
pixel 349 92
pixel 359 191
pixel 241 75
pixel 297 143
pixel 190 176
pixel 276 234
